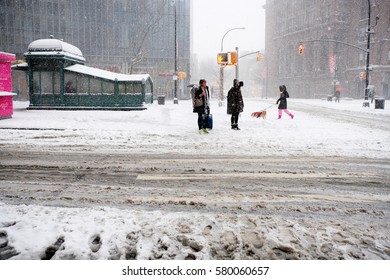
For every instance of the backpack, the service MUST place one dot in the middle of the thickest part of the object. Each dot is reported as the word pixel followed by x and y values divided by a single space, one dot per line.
pixel 193 91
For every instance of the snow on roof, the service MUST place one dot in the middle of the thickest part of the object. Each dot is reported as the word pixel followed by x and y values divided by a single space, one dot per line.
pixel 78 68
pixel 6 93
pixel 7 56
pixel 54 45
pixel 22 65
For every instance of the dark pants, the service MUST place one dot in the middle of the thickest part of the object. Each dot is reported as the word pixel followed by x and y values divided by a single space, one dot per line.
pixel 202 117
pixel 234 118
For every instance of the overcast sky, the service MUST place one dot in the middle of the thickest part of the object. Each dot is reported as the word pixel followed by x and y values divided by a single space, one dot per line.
pixel 213 18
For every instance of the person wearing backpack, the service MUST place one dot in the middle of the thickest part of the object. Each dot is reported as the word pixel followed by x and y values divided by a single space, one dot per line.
pixel 283 102
pixel 202 105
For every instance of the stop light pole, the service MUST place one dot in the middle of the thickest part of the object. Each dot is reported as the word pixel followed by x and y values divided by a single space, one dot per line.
pixel 222 67
pixel 237 69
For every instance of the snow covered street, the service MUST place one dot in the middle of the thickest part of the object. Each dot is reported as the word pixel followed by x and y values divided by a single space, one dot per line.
pixel 146 185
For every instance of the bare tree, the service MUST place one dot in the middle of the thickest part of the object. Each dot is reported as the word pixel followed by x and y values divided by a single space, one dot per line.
pixel 150 26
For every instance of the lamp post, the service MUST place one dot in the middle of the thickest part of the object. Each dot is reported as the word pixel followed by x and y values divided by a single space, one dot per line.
pixel 175 77
pixel 222 67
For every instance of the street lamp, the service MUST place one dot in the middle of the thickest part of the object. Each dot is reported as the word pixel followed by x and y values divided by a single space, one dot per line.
pixel 222 67
pixel 236 28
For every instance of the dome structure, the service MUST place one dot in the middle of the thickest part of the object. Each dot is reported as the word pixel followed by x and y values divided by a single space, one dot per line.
pixel 54 47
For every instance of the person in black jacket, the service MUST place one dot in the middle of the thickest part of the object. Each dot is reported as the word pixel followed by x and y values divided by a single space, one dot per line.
pixel 202 106
pixel 235 103
pixel 283 102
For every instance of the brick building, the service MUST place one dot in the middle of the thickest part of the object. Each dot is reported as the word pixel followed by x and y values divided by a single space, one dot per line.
pixel 325 66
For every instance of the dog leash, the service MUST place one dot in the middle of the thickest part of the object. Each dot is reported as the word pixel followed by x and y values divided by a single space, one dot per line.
pixel 268 107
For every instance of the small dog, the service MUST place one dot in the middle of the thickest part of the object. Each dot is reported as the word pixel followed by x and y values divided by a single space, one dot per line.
pixel 261 114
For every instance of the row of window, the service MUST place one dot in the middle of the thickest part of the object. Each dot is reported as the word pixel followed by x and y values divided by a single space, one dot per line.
pixel 49 83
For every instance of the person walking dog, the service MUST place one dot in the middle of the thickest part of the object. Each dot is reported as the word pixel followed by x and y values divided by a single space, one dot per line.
pixel 282 101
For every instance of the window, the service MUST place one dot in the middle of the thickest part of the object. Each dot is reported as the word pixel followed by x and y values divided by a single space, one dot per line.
pixel 83 85
pixel 148 88
pixel 36 82
pixel 133 89
pixel 70 84
pixel 96 86
pixel 108 88
pixel 49 85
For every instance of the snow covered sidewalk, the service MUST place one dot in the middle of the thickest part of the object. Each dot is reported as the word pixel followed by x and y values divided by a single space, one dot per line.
pixel 320 128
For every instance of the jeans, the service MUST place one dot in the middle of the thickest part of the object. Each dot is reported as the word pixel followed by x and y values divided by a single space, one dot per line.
pixel 203 116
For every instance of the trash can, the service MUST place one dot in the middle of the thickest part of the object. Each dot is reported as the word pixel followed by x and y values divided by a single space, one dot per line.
pixel 330 97
pixel 161 100
pixel 379 103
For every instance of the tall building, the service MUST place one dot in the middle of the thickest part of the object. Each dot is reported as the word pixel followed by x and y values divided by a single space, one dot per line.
pixel 125 36
pixel 326 65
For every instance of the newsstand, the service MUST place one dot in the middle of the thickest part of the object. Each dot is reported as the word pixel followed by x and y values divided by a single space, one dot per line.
pixel 6 105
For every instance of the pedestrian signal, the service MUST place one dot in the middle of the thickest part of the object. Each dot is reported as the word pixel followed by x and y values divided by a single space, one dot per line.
pixel 363 76
pixel 301 49
pixel 223 58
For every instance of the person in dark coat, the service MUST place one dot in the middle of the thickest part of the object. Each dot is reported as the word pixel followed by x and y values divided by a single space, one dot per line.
pixel 202 105
pixel 337 96
pixel 235 103
pixel 282 101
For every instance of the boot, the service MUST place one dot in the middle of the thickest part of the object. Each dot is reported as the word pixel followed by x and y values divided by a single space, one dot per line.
pixel 235 126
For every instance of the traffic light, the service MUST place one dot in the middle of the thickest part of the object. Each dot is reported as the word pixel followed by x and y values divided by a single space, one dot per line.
pixel 223 58
pixel 182 75
pixel 259 57
pixel 233 58
pixel 301 49
pixel 229 58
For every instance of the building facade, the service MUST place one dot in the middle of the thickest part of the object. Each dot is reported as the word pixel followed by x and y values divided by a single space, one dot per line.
pixel 334 36
pixel 124 36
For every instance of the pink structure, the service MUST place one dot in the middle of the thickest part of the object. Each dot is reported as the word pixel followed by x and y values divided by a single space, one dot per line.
pixel 6 105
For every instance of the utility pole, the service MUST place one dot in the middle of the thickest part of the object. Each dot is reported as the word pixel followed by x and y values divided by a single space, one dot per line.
pixel 238 59
pixel 175 99
pixel 368 51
